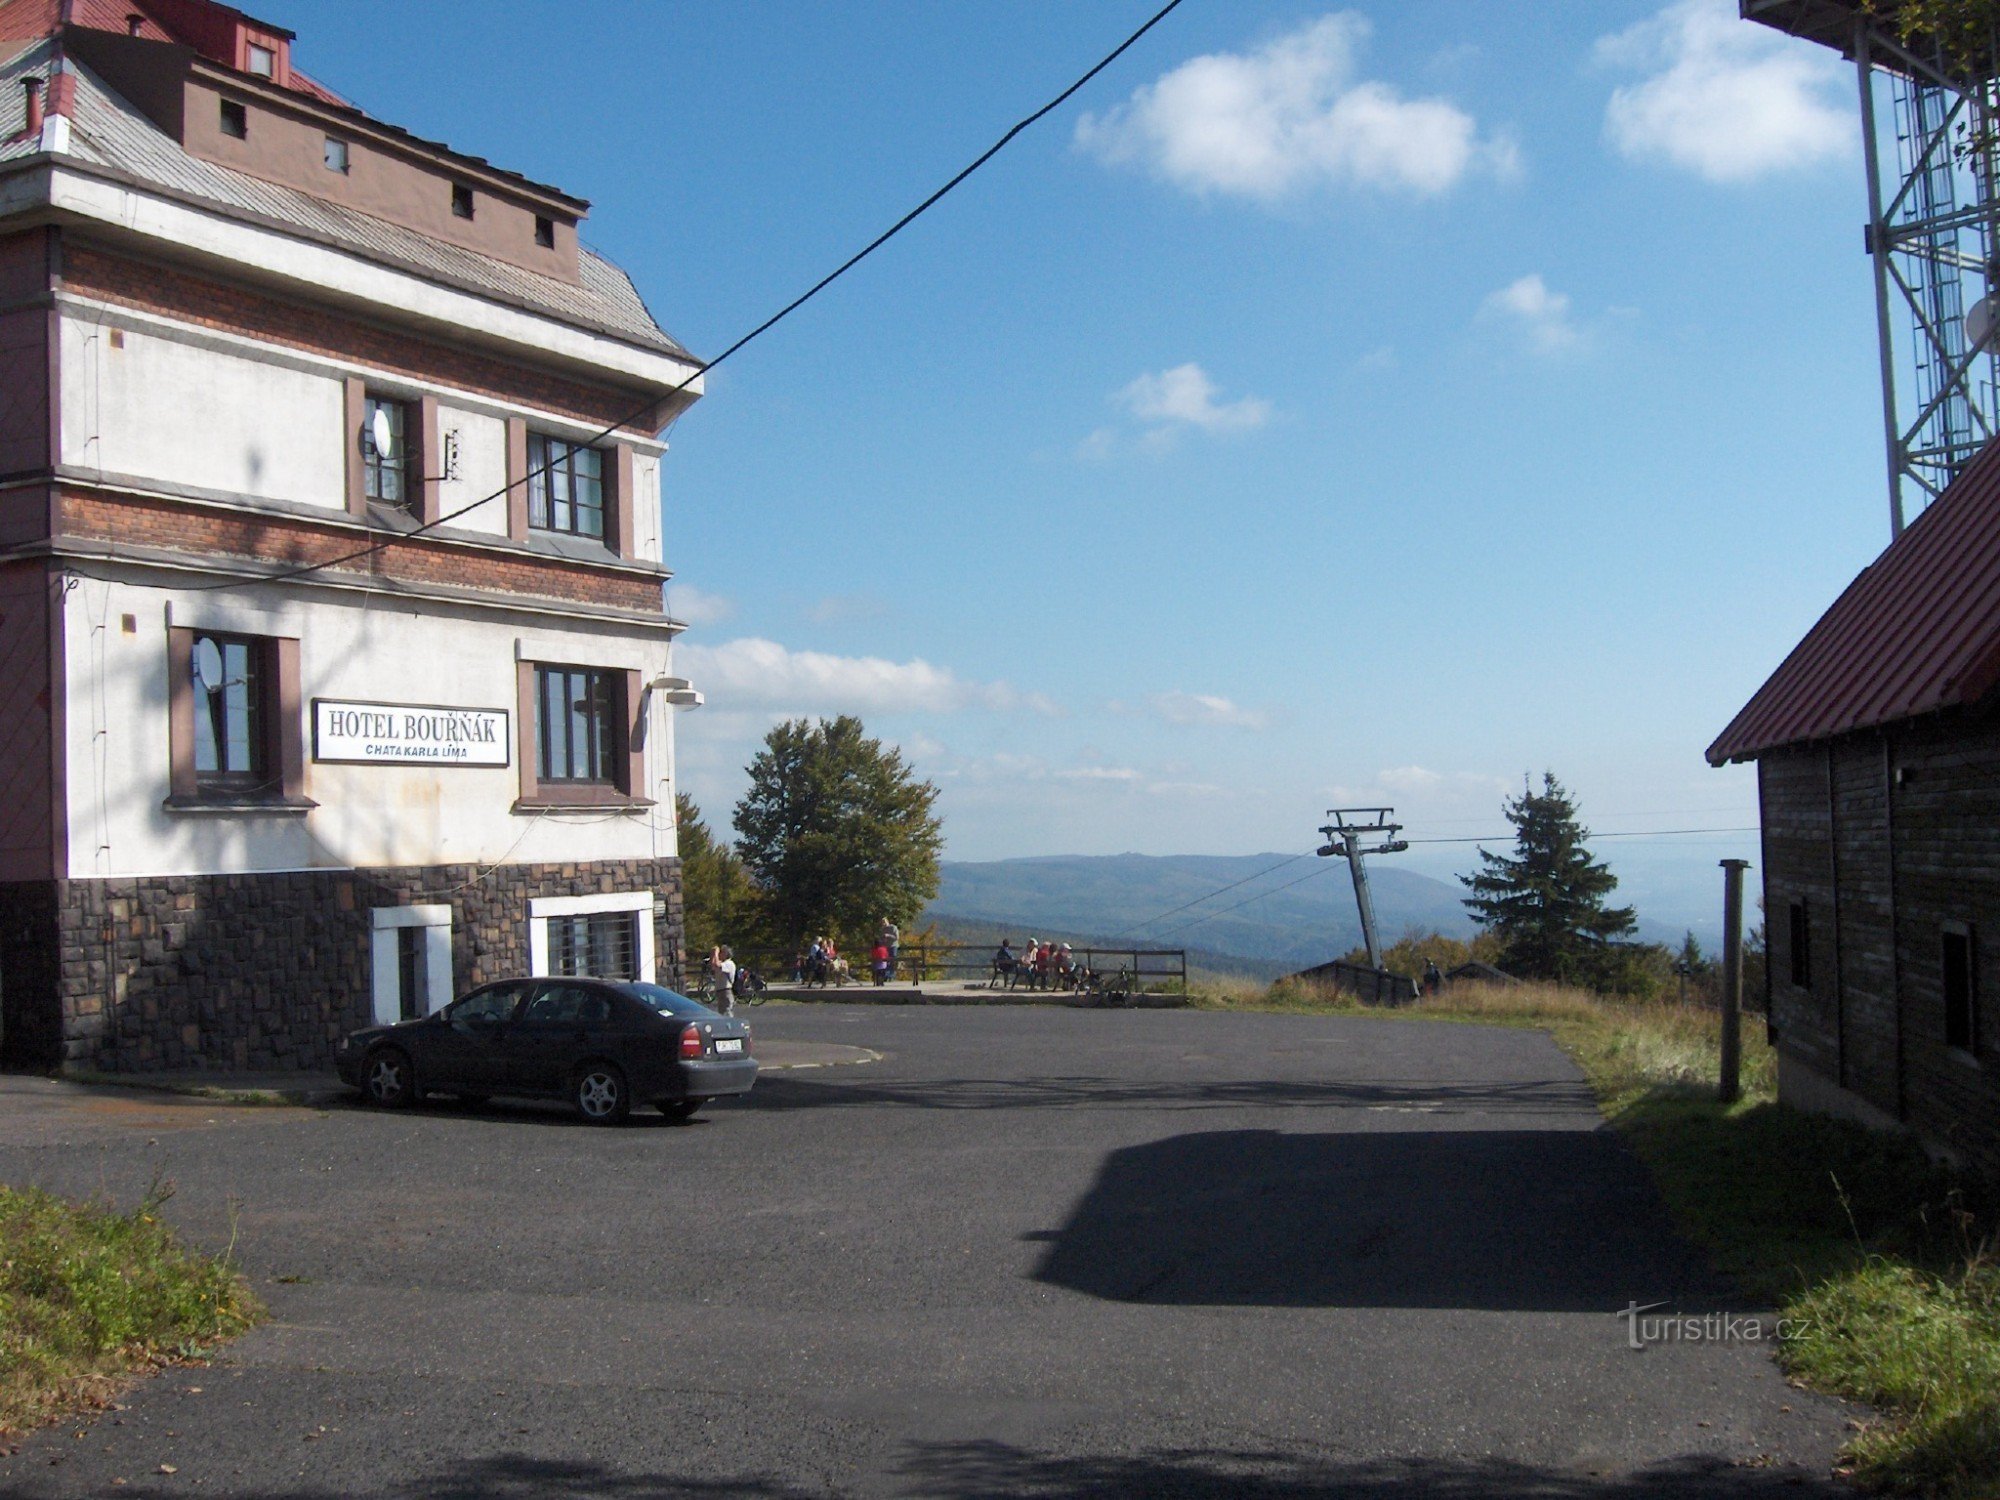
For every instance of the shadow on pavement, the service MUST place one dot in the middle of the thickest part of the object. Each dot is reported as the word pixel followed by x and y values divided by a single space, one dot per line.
pixel 989 1470
pixel 1548 1220
pixel 1417 1096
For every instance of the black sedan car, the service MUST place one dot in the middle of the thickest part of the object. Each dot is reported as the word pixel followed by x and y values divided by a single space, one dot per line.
pixel 601 1044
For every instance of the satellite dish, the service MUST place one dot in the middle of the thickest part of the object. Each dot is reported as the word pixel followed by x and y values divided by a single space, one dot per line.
pixel 1979 323
pixel 383 435
pixel 208 663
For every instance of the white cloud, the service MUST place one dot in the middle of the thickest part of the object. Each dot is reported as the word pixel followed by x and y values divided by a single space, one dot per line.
pixel 1179 707
pixel 1541 314
pixel 698 606
pixel 1185 396
pixel 1723 98
pixel 752 672
pixel 1289 116
pixel 1100 773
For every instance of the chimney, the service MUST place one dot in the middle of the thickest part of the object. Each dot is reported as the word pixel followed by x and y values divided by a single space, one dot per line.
pixel 33 88
pixel 133 21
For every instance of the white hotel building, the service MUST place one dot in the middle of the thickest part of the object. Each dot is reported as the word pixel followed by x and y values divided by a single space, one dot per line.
pixel 245 807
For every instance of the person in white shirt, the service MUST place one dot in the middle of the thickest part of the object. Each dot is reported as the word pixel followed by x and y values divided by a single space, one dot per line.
pixel 722 978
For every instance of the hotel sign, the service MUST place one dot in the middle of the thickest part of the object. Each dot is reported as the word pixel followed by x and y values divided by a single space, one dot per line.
pixel 410 734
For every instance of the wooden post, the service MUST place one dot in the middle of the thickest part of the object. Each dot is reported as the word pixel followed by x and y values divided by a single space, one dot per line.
pixel 1732 978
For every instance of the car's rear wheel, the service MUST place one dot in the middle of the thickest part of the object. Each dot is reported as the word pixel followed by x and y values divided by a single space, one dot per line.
pixel 600 1093
pixel 388 1078
pixel 680 1109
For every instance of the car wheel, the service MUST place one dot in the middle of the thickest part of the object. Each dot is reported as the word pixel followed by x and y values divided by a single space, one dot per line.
pixel 680 1109
pixel 388 1078
pixel 600 1094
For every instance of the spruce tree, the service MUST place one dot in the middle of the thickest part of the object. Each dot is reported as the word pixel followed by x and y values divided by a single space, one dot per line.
pixel 1545 902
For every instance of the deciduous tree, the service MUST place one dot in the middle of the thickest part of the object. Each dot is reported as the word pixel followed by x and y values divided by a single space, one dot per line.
pixel 719 899
pixel 838 832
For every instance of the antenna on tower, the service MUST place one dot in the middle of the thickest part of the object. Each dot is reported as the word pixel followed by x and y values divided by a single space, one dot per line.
pixel 1343 836
pixel 1933 209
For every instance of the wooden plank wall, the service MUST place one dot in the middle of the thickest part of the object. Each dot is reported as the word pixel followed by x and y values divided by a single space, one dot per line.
pixel 1888 836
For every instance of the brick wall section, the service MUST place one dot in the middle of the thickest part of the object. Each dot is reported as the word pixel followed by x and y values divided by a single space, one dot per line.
pixel 94 272
pixel 33 1023
pixel 134 520
pixel 269 971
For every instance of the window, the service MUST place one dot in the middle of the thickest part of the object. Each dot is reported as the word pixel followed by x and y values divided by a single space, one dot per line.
pixel 461 200
pixel 235 723
pixel 412 974
pixel 384 476
pixel 1961 985
pixel 235 119
pixel 545 232
pixel 565 487
pixel 229 712
pixel 578 722
pixel 1801 935
pixel 603 944
pixel 336 154
pixel 261 61
pixel 491 1005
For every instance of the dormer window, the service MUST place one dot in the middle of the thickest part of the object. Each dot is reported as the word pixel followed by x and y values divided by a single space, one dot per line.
pixel 461 200
pixel 545 232
pixel 235 119
pixel 336 154
pixel 260 60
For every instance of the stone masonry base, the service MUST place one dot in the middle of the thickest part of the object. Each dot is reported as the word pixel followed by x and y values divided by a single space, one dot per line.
pixel 267 971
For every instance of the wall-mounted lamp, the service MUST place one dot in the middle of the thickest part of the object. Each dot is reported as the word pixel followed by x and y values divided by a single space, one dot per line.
pixel 678 692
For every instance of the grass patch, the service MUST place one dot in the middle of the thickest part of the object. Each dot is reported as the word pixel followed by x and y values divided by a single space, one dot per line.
pixel 88 1294
pixel 1877 1258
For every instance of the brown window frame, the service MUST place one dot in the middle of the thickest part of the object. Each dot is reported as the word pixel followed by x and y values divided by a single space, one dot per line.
pixel 1961 1010
pixel 278 776
pixel 625 750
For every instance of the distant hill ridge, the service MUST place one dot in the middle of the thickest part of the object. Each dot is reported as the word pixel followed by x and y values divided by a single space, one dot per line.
pixel 1288 913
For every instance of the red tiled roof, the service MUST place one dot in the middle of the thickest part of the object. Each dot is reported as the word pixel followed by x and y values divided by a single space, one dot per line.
pixel 1918 631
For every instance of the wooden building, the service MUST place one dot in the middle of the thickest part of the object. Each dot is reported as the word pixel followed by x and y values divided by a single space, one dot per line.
pixel 1877 745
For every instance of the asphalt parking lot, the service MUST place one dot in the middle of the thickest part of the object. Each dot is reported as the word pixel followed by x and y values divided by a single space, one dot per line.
pixel 1029 1252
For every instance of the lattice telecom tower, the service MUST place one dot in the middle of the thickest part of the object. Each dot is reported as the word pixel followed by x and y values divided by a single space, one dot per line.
pixel 1933 211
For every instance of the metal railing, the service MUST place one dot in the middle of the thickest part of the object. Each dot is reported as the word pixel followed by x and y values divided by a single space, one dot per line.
pixel 1155 970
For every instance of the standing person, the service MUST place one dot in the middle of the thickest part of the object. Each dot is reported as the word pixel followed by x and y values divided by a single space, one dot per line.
pixel 722 979
pixel 891 937
pixel 1433 979
pixel 881 962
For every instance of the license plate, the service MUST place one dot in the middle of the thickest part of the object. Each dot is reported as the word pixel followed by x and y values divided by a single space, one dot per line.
pixel 729 1044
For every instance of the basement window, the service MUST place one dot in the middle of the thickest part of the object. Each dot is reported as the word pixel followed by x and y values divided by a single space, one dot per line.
pixel 545 232
pixel 1960 985
pixel 235 119
pixel 1801 943
pixel 461 200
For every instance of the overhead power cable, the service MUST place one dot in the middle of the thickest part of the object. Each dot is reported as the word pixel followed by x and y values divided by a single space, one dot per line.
pixel 703 367
pixel 1642 833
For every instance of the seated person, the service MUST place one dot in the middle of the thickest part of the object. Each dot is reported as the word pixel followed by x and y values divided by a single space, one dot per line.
pixel 1005 963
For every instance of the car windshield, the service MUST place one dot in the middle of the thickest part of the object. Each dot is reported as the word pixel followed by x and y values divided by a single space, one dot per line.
pixel 666 1001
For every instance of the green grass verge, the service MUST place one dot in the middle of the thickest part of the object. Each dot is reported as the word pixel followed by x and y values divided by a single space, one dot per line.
pixel 1877 1259
pixel 88 1295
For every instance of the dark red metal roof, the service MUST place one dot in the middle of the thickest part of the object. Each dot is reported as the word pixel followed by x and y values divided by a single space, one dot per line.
pixel 1918 631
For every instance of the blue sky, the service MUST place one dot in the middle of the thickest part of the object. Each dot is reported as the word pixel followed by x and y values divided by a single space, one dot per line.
pixel 1330 404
